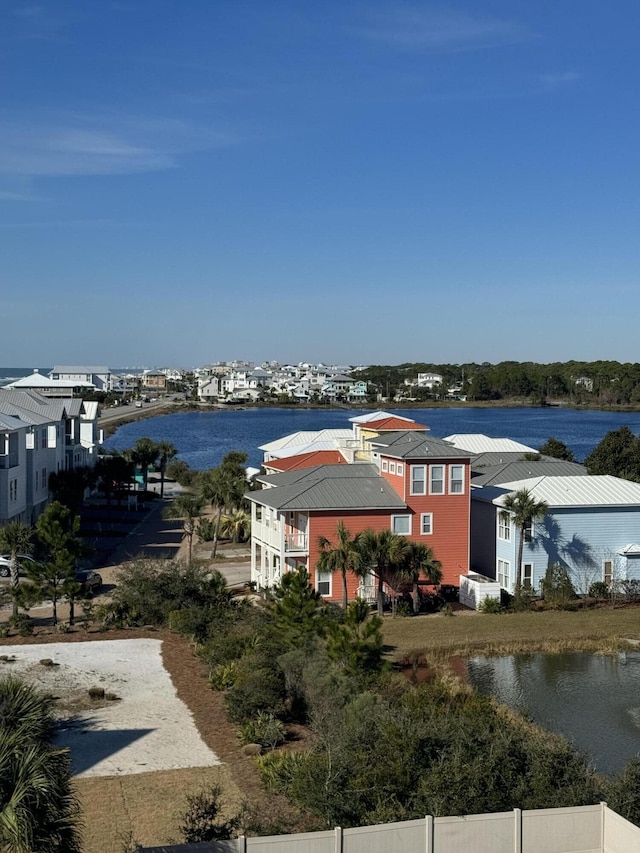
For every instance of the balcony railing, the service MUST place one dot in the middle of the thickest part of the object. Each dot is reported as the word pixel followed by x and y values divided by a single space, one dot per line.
pixel 9 460
pixel 296 542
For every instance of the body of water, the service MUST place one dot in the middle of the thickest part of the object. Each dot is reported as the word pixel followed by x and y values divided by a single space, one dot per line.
pixel 593 700
pixel 203 438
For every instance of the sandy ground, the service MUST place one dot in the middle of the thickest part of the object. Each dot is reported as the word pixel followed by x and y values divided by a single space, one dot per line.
pixel 146 728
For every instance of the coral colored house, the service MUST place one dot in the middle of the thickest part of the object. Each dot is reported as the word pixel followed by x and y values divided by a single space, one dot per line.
pixel 415 485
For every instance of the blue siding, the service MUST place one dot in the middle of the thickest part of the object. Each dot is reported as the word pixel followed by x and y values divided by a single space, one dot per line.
pixel 580 539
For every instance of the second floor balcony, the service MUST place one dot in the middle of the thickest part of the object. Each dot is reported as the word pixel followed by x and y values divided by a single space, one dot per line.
pixel 9 460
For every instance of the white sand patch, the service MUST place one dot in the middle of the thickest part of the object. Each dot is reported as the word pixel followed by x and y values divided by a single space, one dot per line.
pixel 147 729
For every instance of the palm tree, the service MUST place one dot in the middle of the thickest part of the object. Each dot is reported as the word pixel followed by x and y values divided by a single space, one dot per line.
pixel 383 553
pixel 188 508
pixel 224 487
pixel 38 809
pixel 420 562
pixel 166 451
pixel 16 538
pixel 524 509
pixel 144 453
pixel 236 525
pixel 344 557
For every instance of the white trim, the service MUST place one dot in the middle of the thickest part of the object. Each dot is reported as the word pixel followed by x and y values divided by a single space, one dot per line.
pixel 504 526
pixel 399 469
pixel 327 577
pixel 384 465
pixel 441 479
pixel 451 469
pixel 413 468
pixel 505 565
pixel 423 517
pixel 403 532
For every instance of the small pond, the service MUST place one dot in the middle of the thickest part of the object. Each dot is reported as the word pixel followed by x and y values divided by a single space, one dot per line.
pixel 593 700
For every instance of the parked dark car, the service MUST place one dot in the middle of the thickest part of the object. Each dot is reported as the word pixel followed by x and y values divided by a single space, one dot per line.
pixel 91 581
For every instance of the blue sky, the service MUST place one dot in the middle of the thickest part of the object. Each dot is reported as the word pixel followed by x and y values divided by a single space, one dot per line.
pixel 183 181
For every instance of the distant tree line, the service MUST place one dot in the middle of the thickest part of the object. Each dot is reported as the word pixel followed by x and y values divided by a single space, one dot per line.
pixel 602 383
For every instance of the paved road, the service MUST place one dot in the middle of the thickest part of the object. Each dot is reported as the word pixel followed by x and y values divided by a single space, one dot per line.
pixel 120 412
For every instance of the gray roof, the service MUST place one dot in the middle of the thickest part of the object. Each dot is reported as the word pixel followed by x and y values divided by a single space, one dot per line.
pixel 80 368
pixel 494 475
pixel 323 488
pixel 8 422
pixel 318 472
pixel 412 444
pixel 594 491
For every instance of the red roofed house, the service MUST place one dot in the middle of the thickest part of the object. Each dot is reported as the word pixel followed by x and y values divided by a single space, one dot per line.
pixel 415 485
pixel 304 460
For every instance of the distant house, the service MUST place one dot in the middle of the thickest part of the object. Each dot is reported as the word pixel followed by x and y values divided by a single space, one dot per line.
pixel 154 380
pixel 592 529
pixel 99 377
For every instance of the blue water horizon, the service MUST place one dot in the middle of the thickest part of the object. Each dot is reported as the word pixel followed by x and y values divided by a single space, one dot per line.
pixel 203 438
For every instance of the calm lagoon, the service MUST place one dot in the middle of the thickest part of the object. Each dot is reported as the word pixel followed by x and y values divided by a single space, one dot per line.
pixel 203 438
pixel 593 700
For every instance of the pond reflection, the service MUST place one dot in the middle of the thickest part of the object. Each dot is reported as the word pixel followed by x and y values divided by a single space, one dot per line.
pixel 593 700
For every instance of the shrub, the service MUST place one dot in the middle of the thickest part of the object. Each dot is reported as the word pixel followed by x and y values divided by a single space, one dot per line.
pixel 223 676
pixel 557 588
pixel 279 769
pixel 255 690
pixel 599 589
pixel 23 624
pixel 206 530
pixel 522 600
pixel 201 820
pixel 490 605
pixel 265 730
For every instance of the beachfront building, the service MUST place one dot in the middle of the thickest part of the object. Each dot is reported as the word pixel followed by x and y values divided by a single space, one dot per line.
pixel 40 436
pixel 417 486
pixel 99 377
pixel 591 529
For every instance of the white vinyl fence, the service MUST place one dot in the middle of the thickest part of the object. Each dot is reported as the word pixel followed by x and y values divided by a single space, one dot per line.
pixel 582 829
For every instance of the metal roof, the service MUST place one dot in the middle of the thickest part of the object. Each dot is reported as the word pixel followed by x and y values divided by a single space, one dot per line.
pixel 479 443
pixel 306 437
pixel 9 422
pixel 332 493
pixel 598 490
pixel 494 475
pixel 409 444
pixel 318 472
pixel 376 416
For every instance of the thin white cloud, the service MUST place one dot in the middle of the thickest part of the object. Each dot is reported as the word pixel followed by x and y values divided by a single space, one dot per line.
pixel 7 195
pixel 99 145
pixel 562 78
pixel 439 30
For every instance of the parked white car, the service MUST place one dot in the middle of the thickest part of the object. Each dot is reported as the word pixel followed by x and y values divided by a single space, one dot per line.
pixel 5 563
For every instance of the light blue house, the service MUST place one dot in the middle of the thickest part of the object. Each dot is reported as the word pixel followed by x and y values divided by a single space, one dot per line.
pixel 592 529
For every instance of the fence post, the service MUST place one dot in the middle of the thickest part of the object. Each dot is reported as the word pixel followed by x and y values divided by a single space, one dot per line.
pixel 603 817
pixel 242 848
pixel 428 828
pixel 338 839
pixel 517 831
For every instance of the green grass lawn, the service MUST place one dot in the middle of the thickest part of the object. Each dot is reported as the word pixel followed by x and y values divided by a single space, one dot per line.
pixel 438 636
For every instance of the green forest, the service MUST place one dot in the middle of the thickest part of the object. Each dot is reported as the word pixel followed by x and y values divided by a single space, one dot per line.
pixel 592 383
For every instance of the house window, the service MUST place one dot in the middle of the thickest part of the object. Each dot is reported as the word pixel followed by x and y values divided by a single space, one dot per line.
pixel 527 576
pixel 504 526
pixel 418 479
pixel 258 512
pixel 503 573
pixel 392 467
pixel 385 466
pixel 426 523
pixel 608 571
pixel 399 469
pixel 44 477
pixel 44 438
pixel 36 443
pixel 323 583
pixel 456 479
pixel 37 481
pixel 401 524
pixel 436 482
pixel 13 490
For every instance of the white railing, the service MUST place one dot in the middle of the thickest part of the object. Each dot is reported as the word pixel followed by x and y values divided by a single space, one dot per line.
pixel 296 542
